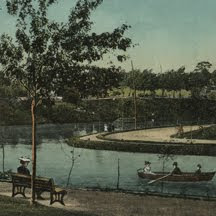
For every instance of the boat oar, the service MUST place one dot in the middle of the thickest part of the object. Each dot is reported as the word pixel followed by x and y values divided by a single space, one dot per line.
pixel 158 179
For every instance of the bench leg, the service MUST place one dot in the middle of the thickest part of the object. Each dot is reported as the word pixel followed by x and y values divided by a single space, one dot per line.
pixel 51 198
pixel 59 197
pixel 18 190
pixel 39 195
pixel 13 191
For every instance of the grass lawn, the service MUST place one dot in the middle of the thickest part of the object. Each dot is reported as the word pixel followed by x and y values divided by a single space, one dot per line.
pixel 20 207
pixel 98 203
pixel 208 133
pixel 126 91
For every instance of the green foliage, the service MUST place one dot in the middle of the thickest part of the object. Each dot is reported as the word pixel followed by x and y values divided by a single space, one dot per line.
pixel 132 79
pixel 48 55
pixel 63 113
pixel 211 95
pixel 116 93
pixel 172 80
pixel 11 91
pixel 71 95
pixel 148 81
pixel 208 133
pixel 13 114
pixel 109 110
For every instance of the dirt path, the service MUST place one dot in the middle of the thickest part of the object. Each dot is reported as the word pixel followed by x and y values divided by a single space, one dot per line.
pixel 120 204
pixel 92 137
pixel 155 134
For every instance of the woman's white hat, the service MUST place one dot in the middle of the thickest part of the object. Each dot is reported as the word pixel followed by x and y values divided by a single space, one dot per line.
pixel 24 159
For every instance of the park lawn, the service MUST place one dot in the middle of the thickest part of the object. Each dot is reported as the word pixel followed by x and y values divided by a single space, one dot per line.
pixel 128 92
pixel 208 133
pixel 96 203
pixel 20 207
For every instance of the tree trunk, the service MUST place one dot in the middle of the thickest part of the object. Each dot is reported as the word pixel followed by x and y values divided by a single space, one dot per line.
pixel 163 91
pixel 173 94
pixel 33 151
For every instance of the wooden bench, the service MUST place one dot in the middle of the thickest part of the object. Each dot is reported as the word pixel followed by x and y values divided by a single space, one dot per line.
pixel 21 182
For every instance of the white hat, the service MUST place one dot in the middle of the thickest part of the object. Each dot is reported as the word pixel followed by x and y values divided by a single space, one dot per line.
pixel 24 159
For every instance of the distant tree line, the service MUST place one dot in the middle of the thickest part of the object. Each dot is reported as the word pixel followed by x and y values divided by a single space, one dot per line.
pixel 172 80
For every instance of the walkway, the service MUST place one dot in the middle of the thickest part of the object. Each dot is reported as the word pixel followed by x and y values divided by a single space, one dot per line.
pixel 153 135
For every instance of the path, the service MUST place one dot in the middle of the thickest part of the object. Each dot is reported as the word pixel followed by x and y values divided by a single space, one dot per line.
pixel 153 135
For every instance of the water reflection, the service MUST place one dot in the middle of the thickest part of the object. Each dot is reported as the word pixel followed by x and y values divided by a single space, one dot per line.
pixel 22 133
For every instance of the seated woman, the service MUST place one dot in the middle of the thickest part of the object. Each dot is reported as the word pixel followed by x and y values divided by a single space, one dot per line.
pixel 147 168
pixel 23 168
pixel 176 170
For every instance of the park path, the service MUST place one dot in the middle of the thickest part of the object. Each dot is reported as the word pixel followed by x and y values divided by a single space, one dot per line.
pixel 153 135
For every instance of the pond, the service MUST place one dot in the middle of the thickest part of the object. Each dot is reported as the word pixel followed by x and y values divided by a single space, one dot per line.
pixel 22 133
pixel 98 168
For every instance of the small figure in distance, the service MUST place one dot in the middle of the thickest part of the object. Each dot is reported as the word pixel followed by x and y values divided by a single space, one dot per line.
pixel 23 168
pixel 105 128
pixel 147 168
pixel 198 171
pixel 176 170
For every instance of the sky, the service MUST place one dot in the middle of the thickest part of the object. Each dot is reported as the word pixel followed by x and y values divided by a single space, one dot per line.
pixel 170 33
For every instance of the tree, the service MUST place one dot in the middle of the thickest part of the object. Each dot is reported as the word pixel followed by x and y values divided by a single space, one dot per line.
pixel 148 81
pixel 213 77
pixel 199 78
pixel 133 78
pixel 47 55
pixel 178 79
pixel 162 82
pixel 71 95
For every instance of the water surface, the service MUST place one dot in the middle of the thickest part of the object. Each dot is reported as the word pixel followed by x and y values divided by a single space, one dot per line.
pixel 98 168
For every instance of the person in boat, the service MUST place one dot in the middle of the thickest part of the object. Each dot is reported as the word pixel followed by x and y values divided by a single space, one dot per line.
pixel 176 170
pixel 198 171
pixel 147 168
pixel 23 168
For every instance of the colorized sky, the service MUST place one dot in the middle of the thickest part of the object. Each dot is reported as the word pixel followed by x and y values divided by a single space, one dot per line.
pixel 170 33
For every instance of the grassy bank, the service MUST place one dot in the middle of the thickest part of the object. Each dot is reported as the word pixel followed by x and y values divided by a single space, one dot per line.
pixel 145 147
pixel 208 133
pixel 19 207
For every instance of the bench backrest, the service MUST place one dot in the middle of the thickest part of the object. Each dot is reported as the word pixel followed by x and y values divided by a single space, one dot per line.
pixel 40 182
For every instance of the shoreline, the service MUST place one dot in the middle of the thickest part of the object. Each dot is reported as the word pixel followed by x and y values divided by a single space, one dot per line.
pixel 147 147
pixel 6 188
pixel 165 144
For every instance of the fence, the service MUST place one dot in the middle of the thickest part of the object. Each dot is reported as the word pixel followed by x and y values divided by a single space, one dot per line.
pixel 129 123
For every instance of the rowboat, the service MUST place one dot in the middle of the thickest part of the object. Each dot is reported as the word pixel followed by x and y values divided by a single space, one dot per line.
pixel 185 177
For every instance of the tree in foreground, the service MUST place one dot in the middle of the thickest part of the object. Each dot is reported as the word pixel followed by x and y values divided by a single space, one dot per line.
pixel 46 55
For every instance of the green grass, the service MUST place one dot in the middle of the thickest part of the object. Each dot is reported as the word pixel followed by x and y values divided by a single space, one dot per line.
pixel 208 133
pixel 126 91
pixel 19 207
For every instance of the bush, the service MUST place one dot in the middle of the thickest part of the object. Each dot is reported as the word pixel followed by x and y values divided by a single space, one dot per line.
pixel 63 113
pixel 71 96
pixel 116 93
